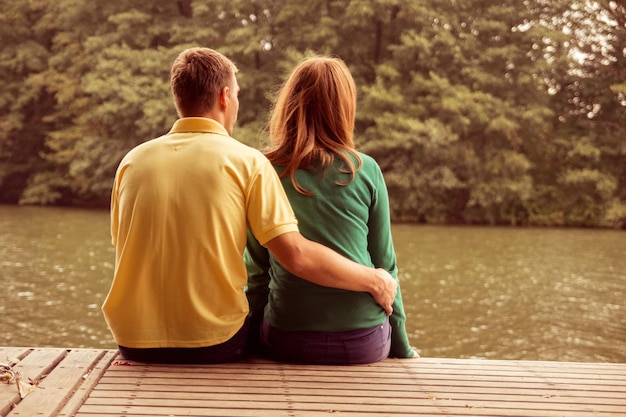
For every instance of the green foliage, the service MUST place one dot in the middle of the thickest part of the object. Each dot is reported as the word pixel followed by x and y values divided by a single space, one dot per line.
pixel 478 111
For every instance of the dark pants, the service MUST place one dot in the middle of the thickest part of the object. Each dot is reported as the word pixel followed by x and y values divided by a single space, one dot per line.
pixel 331 348
pixel 232 350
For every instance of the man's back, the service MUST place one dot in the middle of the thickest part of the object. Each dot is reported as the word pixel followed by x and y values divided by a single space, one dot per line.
pixel 179 221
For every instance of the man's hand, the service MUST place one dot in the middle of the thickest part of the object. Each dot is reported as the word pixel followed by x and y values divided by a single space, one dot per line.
pixel 386 290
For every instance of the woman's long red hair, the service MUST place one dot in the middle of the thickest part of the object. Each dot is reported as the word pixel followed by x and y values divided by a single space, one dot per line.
pixel 312 121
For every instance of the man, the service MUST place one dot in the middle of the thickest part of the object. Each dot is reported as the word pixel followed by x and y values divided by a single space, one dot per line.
pixel 180 210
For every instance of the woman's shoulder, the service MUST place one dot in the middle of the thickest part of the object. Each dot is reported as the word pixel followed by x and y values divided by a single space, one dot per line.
pixel 368 162
pixel 366 157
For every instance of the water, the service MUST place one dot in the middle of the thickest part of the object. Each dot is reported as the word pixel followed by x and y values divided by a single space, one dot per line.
pixel 485 292
pixel 502 293
pixel 55 268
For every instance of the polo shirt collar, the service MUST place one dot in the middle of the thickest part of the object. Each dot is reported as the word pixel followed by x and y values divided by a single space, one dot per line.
pixel 198 124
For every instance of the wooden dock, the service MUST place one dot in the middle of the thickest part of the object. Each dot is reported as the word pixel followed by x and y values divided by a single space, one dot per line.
pixel 91 382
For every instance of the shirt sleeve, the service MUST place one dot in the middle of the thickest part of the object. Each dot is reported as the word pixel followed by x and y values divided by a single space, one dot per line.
pixel 269 212
pixel 380 244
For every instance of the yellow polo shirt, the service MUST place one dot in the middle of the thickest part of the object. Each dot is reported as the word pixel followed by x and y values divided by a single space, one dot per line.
pixel 180 210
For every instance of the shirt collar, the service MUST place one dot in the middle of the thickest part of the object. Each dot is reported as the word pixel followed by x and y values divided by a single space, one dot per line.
pixel 198 124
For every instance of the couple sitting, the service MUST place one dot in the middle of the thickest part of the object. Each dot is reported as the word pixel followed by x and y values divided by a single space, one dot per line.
pixel 317 282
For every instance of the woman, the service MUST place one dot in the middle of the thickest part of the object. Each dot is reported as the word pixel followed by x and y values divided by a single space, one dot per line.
pixel 340 200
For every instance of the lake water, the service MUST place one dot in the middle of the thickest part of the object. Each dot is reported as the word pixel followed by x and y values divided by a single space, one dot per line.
pixel 469 292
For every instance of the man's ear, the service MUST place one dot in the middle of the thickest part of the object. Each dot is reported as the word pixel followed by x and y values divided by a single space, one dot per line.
pixel 224 96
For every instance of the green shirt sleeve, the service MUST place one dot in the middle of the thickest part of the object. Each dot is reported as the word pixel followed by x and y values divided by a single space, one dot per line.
pixel 383 255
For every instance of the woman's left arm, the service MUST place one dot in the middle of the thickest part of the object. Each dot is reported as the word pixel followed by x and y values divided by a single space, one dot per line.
pixel 380 246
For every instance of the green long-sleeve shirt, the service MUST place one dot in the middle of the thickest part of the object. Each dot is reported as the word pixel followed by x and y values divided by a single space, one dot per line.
pixel 354 221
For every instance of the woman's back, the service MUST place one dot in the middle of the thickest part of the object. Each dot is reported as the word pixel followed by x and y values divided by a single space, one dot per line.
pixel 353 220
pixel 340 200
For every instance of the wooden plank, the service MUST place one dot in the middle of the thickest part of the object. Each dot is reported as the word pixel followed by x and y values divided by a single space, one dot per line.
pixel 347 380
pixel 92 383
pixel 35 363
pixel 356 395
pixel 391 407
pixel 302 377
pixel 223 388
pixel 485 400
pixel 425 412
pixel 7 354
pixel 352 391
pixel 90 380
pixel 449 387
pixel 433 371
pixel 258 410
pixel 59 383
pixel 9 395
pixel 114 411
pixel 380 390
pixel 417 366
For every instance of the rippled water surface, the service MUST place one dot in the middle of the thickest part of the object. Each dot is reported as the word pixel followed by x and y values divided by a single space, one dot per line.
pixel 500 293
pixel 538 294
pixel 55 268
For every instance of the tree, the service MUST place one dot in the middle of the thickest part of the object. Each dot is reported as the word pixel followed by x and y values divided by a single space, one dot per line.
pixel 459 86
pixel 586 171
pixel 478 111
pixel 24 98
pixel 111 84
